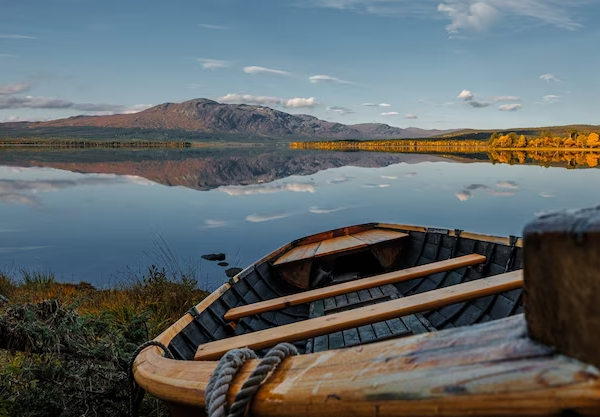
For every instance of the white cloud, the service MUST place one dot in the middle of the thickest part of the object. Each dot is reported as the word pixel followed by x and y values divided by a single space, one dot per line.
pixel 262 70
pixel 475 16
pixel 509 107
pixel 297 187
pixel 212 64
pixel 15 36
pixel 257 218
pixel 550 78
pixel 16 88
pixel 389 177
pixel 376 104
pixel 547 195
pixel 340 110
pixel 376 185
pixel 512 185
pixel 389 113
pixel 300 102
pixel 326 79
pixel 317 210
pixel 551 98
pixel 216 27
pixel 340 180
pixel 411 116
pixel 136 108
pixel 465 95
pixel 213 224
pixel 297 102
pixel 463 195
pixel 505 98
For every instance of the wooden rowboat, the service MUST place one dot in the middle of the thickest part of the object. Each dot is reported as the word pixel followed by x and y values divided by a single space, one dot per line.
pixel 388 320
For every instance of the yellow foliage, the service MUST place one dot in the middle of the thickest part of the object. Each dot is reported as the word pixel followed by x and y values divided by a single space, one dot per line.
pixel 593 139
pixel 591 159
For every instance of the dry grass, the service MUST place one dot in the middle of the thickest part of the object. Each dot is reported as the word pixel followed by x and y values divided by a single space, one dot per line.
pixel 67 346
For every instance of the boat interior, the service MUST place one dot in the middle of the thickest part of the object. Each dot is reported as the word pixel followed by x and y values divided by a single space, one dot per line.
pixel 331 273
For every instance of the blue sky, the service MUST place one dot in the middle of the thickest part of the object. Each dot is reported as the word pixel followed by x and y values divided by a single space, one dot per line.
pixel 430 64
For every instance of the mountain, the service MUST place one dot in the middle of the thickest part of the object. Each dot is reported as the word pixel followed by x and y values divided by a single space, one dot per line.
pixel 207 117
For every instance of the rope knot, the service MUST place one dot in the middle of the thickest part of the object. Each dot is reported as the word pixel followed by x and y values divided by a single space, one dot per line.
pixel 228 366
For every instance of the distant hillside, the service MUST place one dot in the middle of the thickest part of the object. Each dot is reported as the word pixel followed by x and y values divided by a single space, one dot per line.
pixel 206 119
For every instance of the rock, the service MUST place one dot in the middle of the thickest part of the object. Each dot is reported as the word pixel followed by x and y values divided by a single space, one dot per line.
pixel 223 264
pixel 232 272
pixel 214 257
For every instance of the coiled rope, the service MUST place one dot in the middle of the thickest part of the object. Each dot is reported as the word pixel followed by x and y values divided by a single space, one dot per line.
pixel 136 393
pixel 215 395
pixel 218 385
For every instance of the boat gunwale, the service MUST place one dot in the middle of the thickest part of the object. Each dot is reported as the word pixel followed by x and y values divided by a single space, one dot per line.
pixel 150 365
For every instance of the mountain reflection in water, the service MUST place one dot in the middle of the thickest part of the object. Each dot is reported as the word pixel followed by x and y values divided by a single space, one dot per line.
pixel 85 214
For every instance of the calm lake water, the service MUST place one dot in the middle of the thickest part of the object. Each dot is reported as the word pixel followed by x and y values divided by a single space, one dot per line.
pixel 91 215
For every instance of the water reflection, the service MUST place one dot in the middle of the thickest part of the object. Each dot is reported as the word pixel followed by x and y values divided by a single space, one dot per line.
pixel 85 215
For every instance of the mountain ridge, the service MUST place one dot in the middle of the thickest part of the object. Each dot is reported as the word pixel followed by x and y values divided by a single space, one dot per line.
pixel 206 116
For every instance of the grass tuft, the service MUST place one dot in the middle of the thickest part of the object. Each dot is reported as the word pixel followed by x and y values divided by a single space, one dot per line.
pixel 64 348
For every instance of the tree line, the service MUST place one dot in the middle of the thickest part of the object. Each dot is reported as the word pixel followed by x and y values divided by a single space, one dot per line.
pixel 74 143
pixel 545 140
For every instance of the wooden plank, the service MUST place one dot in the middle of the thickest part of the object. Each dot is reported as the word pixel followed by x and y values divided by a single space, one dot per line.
pixel 365 315
pixel 465 235
pixel 353 298
pixel 330 303
pixel 336 340
pixel 375 236
pixel 375 292
pixel 298 253
pixel 381 329
pixel 358 285
pixel 338 244
pixel 562 282
pixel 491 370
pixel 366 333
pixel 341 300
pixel 351 337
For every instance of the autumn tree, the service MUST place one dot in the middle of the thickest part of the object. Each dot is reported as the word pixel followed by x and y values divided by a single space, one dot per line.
pixel 593 140
pixel 521 142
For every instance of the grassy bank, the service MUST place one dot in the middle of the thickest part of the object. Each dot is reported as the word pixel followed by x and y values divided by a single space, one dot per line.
pixel 65 348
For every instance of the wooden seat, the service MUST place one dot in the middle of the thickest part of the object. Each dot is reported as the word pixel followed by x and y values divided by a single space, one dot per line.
pixel 357 285
pixel 364 315
pixel 339 244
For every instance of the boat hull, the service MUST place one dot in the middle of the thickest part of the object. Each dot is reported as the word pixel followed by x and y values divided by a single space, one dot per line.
pixel 470 358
